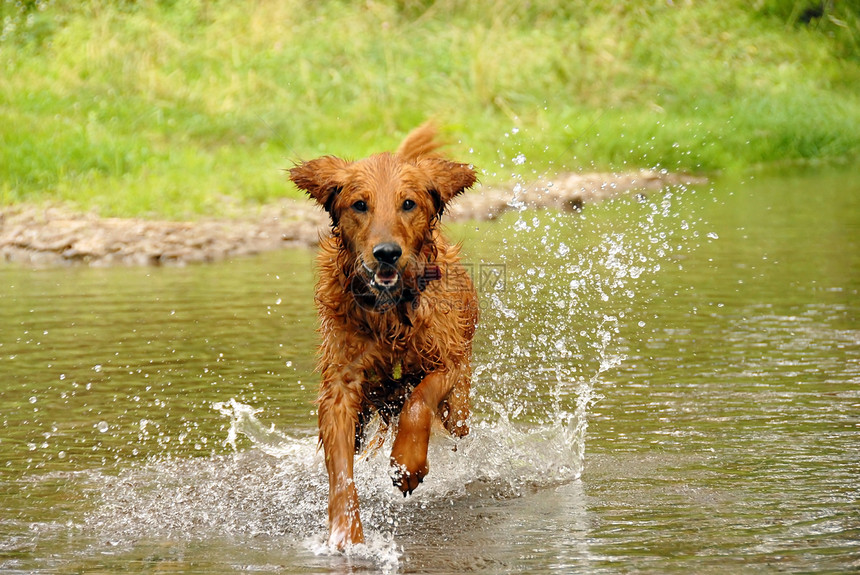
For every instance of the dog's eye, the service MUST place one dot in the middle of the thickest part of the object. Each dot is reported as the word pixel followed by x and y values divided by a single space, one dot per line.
pixel 360 206
pixel 408 205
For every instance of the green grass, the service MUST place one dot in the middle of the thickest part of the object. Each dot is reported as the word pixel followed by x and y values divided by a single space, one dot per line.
pixel 180 108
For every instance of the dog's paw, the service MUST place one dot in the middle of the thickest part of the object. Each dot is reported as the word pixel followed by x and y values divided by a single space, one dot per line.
pixel 407 479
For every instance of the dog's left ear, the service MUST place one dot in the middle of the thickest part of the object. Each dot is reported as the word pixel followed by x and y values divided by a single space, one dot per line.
pixel 321 178
pixel 448 179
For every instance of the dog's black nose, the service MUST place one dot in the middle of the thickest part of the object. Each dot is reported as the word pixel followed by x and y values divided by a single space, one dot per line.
pixel 387 253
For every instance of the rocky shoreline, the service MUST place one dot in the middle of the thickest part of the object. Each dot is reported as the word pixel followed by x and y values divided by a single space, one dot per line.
pixel 49 236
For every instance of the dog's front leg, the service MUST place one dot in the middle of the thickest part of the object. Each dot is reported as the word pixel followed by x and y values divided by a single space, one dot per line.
pixel 409 452
pixel 338 415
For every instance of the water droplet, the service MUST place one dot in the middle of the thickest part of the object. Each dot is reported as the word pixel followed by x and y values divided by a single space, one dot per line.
pixel 33 399
pixel 102 426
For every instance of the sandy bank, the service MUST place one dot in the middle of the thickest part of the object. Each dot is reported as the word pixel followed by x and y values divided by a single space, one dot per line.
pixel 47 236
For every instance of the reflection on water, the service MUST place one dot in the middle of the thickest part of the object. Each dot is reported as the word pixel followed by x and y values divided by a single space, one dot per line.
pixel 163 419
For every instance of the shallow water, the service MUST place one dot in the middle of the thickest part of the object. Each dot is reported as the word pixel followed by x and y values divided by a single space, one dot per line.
pixel 661 385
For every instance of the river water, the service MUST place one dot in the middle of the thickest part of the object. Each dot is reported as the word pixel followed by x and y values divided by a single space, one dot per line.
pixel 667 384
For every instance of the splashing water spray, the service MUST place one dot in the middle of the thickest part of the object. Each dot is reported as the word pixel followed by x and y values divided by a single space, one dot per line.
pixel 552 330
pixel 555 332
pixel 549 335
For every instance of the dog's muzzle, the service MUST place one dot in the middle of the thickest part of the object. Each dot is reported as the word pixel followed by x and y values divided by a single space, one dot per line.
pixel 386 277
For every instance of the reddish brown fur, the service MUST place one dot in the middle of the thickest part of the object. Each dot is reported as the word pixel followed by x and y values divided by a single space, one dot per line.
pixel 423 331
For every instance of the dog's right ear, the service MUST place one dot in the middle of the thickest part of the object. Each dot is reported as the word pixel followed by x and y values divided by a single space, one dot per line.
pixel 321 178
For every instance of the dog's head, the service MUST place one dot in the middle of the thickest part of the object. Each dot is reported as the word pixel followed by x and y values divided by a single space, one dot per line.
pixel 384 208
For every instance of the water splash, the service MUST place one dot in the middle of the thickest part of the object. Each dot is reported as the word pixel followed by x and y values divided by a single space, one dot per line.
pixel 278 488
pixel 551 340
pixel 559 332
pixel 379 551
pixel 244 421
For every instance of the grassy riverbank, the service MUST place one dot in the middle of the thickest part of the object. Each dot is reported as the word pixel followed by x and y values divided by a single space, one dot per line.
pixel 183 107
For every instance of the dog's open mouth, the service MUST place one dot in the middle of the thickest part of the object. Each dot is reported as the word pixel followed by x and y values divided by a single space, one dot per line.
pixel 385 278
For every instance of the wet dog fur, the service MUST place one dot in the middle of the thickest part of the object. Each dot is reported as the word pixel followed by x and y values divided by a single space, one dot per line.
pixel 397 312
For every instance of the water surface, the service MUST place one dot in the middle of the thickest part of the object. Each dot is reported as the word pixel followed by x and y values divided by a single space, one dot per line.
pixel 669 384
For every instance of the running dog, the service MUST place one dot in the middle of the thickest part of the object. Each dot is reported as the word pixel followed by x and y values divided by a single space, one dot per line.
pixel 397 312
